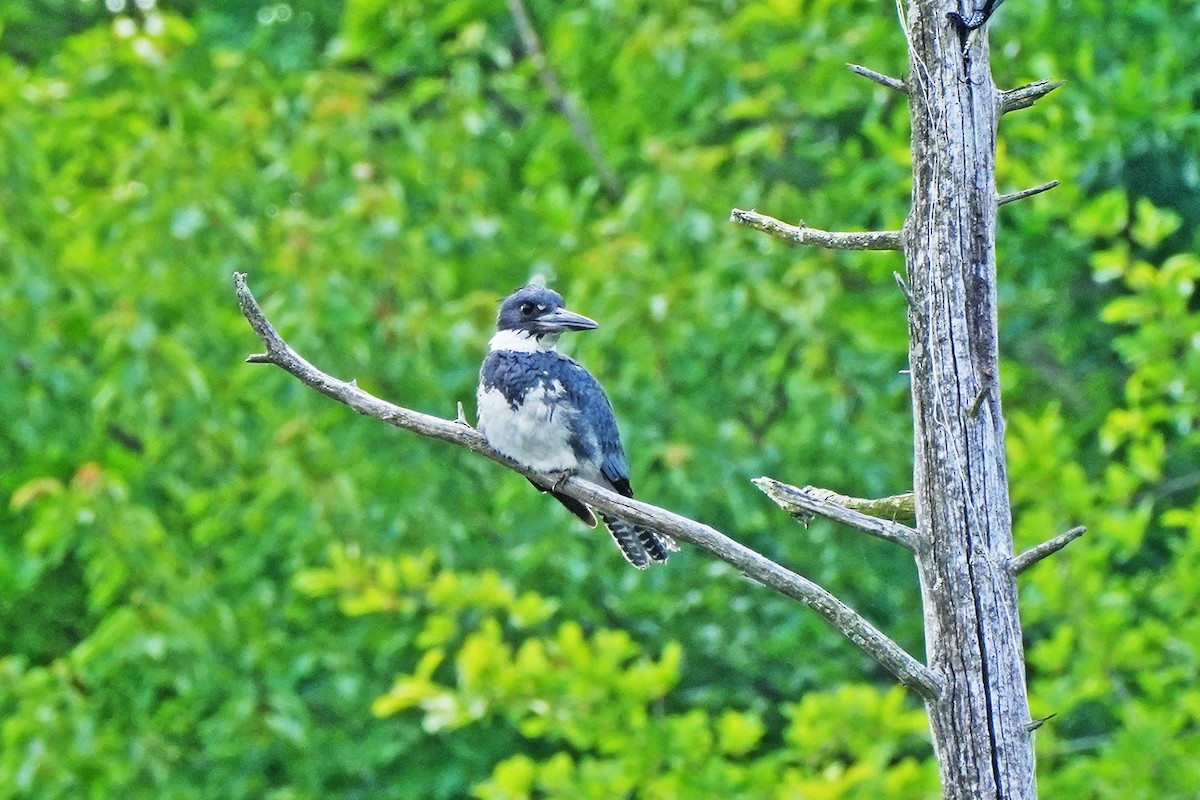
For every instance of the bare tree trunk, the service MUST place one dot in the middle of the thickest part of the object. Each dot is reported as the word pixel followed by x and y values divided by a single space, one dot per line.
pixel 980 721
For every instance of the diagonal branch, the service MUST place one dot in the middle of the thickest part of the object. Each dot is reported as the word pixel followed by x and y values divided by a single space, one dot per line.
pixel 1025 96
pixel 802 234
pixel 804 503
pixel 883 80
pixel 576 116
pixel 900 508
pixel 1012 197
pixel 903 284
pixel 1020 563
pixel 870 639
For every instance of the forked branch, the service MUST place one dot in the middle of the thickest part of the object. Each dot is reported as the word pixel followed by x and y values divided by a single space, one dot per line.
pixel 809 501
pixel 875 643
pixel 802 234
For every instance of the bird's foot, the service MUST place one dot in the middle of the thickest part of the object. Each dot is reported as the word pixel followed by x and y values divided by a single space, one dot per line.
pixel 560 477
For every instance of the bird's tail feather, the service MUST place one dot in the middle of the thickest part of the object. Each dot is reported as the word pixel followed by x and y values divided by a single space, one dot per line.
pixel 640 546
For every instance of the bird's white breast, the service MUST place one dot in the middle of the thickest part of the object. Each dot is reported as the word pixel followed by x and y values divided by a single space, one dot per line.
pixel 535 433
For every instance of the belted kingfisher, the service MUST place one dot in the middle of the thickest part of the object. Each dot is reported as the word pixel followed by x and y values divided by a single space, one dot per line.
pixel 547 413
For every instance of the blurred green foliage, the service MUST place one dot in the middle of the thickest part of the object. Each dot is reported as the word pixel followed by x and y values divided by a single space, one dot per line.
pixel 216 584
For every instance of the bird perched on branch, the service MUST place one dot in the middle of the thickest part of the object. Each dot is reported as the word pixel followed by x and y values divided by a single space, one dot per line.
pixel 547 413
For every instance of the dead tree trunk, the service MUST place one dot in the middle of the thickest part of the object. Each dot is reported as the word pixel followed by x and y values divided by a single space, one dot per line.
pixel 979 715
pixel 980 721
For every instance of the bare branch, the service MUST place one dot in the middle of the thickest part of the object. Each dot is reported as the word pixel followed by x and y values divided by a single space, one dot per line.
pixel 875 643
pixel 900 508
pixel 977 403
pixel 1025 96
pixel 809 501
pixel 883 80
pixel 1018 564
pixel 1012 197
pixel 576 116
pixel 1034 724
pixel 908 297
pixel 802 234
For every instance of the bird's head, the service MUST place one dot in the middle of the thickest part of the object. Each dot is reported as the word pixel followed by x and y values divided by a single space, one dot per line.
pixel 538 311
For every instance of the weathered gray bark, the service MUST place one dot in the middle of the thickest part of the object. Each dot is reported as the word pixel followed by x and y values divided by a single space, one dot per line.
pixel 973 632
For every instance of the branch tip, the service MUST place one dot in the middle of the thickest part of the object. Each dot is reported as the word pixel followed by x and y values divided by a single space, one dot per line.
pixel 1012 197
pixel 1034 724
pixel 908 296
pixel 1025 96
pixel 894 84
pixel 1020 563
pixel 830 240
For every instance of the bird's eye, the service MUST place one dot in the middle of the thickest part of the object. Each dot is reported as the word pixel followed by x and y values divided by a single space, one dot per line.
pixel 527 308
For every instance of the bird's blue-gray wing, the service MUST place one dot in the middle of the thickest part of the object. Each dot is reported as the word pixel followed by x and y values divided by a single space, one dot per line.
pixel 594 434
pixel 594 428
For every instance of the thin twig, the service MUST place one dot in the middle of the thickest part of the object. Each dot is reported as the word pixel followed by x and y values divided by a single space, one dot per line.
pixel 1012 197
pixel 908 295
pixel 883 80
pixel 576 116
pixel 1025 96
pixel 1022 562
pixel 1034 724
pixel 980 396
pixel 987 386
pixel 809 501
pixel 802 234
pixel 875 643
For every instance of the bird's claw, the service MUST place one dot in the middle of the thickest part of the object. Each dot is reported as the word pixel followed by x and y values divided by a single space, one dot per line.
pixel 560 477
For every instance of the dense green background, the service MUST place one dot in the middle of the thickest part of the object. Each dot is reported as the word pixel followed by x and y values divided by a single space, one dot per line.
pixel 217 584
